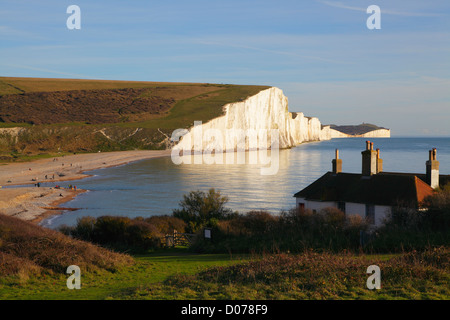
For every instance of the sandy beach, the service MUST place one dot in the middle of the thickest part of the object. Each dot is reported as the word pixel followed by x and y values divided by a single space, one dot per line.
pixel 34 203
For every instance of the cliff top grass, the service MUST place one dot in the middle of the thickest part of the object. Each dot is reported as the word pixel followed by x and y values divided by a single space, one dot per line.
pixel 40 101
pixel 19 85
pixel 78 116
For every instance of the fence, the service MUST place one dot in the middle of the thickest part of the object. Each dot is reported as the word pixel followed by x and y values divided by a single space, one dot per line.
pixel 178 239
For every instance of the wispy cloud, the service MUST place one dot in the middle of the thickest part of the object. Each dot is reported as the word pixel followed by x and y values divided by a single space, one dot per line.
pixel 6 31
pixel 260 49
pixel 338 4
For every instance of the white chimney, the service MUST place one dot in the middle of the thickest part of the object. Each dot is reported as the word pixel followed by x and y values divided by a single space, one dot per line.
pixel 433 170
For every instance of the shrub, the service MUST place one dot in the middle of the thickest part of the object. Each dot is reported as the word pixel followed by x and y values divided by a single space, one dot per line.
pixel 437 215
pixel 295 230
pixel 200 209
pixel 252 223
pixel 167 224
pixel 84 229
pixel 143 235
pixel 110 229
pixel 28 249
pixel 317 276
pixel 409 229
pixel 123 233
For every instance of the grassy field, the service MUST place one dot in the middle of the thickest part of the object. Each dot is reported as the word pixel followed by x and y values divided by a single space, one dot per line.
pixel 309 276
pixel 125 283
pixel 66 115
pixel 202 107
pixel 16 85
pixel 34 260
pixel 177 274
pixel 194 101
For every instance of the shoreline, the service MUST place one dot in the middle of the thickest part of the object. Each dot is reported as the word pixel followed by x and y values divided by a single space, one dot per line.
pixel 54 208
pixel 33 203
pixel 36 204
pixel 71 167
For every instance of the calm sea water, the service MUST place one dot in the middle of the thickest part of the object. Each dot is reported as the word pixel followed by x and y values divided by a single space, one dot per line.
pixel 156 186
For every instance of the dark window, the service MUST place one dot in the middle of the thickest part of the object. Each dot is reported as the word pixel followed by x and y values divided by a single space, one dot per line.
pixel 341 206
pixel 301 206
pixel 370 213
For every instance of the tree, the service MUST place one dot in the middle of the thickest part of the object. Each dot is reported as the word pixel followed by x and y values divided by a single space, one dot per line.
pixel 438 209
pixel 200 209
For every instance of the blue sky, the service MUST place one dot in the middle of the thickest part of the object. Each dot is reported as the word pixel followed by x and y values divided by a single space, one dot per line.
pixel 319 52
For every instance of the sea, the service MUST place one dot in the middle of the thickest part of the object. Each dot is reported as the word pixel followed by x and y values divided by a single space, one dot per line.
pixel 156 186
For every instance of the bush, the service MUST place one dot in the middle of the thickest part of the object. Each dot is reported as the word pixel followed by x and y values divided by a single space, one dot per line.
pixel 328 229
pixel 123 233
pixel 167 224
pixel 143 235
pixel 437 215
pixel 316 276
pixel 28 249
pixel 110 229
pixel 84 229
pixel 295 231
pixel 200 209
pixel 409 229
pixel 252 223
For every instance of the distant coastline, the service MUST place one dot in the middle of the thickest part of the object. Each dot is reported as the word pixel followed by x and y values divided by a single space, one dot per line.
pixel 364 130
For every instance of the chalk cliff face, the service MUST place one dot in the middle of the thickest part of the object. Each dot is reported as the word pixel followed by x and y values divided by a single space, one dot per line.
pixel 264 115
pixel 338 134
pixel 380 133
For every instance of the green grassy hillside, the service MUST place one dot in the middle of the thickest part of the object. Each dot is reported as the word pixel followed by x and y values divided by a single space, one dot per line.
pixel 67 115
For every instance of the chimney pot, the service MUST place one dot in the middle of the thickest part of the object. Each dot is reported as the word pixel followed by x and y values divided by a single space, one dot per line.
pixel 369 160
pixel 337 163
pixel 379 162
pixel 432 173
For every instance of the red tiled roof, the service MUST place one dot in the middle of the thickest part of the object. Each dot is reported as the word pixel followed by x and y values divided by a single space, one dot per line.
pixel 380 189
pixel 423 190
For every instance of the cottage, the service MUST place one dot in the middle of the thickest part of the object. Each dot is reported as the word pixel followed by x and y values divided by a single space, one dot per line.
pixel 373 194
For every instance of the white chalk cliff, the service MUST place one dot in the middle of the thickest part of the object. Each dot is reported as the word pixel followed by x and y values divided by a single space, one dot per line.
pixel 264 113
pixel 379 133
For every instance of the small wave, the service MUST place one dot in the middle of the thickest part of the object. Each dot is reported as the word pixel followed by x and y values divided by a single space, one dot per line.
pixel 49 221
